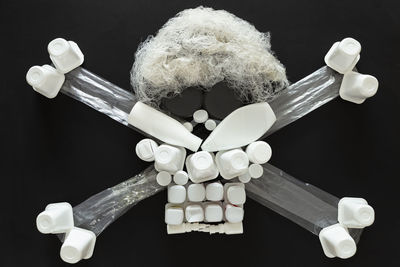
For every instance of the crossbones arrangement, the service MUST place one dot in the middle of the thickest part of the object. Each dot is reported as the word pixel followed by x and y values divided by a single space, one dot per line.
pixel 207 181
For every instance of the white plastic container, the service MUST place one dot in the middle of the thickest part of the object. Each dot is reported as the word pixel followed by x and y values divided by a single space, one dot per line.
pixel 215 191
pixel 181 177
pixel 357 87
pixel 233 214
pixel 210 125
pixel 78 244
pixel 169 158
pixel 163 178
pixel 336 242
pixel 196 192
pixel 244 178
pixel 232 163
pixel 201 167
pixel 55 219
pixel 355 212
pixel 235 193
pixel 255 171
pixel 259 152
pixel 344 55
pixel 174 215
pixel 45 80
pixel 65 55
pixel 200 116
pixel 145 149
pixel 213 212
pixel 176 194
pixel 194 213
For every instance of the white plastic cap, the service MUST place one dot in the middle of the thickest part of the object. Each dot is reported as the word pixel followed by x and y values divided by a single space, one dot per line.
pixel 79 244
pixel 194 213
pixel 145 149
pixel 181 177
pixel 234 214
pixel 176 194
pixel 163 178
pixel 213 212
pixel 210 125
pixel 173 215
pixel 259 152
pixel 256 171
pixel 55 219
pixel 65 55
pixel 188 126
pixel 45 80
pixel 357 87
pixel 235 193
pixel 215 191
pixel 169 158
pixel 355 212
pixel 196 192
pixel 201 167
pixel 336 242
pixel 344 55
pixel 245 178
pixel 232 163
pixel 200 116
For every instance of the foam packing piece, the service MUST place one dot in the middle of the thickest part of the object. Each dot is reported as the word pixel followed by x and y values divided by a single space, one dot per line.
pixel 174 215
pixel 259 152
pixel 235 193
pixel 344 55
pixel 355 212
pixel 78 244
pixel 55 219
pixel 232 163
pixel 169 158
pixel 233 214
pixel 196 192
pixel 45 80
pixel 214 191
pixel 176 194
pixel 145 149
pixel 194 213
pixel 336 242
pixel 201 167
pixel 181 177
pixel 65 55
pixel 163 178
pixel 200 116
pixel 213 212
pixel 357 87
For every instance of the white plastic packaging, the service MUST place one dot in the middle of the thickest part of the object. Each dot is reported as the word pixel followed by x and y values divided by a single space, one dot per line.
pixel 357 87
pixel 181 177
pixel 210 125
pixel 78 244
pixel 200 116
pixel 145 149
pixel 233 214
pixel 176 194
pixel 169 158
pixel 213 212
pixel 174 215
pixel 355 212
pixel 55 219
pixel 45 80
pixel 65 55
pixel 194 213
pixel 336 242
pixel 201 167
pixel 232 163
pixel 259 152
pixel 344 55
pixel 196 192
pixel 164 178
pixel 214 191
pixel 235 193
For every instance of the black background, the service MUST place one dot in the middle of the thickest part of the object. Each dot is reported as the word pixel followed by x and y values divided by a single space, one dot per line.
pixel 61 150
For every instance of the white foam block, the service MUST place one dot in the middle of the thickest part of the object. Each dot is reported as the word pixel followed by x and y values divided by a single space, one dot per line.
pixel 343 55
pixel 232 163
pixel 213 212
pixel 196 192
pixel 234 214
pixel 235 193
pixel 215 191
pixel 194 213
pixel 176 194
pixel 173 215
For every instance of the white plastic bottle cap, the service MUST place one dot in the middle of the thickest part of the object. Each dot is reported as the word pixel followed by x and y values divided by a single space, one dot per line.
pixel 55 219
pixel 213 212
pixel 194 213
pixel 357 87
pixel 344 55
pixel 245 178
pixel 145 149
pixel 355 212
pixel 259 152
pixel 45 80
pixel 236 194
pixel 336 242
pixel 201 167
pixel 188 126
pixel 181 177
pixel 65 55
pixel 173 215
pixel 232 163
pixel 79 244
pixel 163 178
pixel 200 116
pixel 256 171
pixel 169 158
pixel 234 214
pixel 176 194
pixel 210 125
pixel 196 192
pixel 214 191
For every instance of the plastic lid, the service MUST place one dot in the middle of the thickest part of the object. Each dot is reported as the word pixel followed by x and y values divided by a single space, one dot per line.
pixel 163 178
pixel 200 116
pixel 181 177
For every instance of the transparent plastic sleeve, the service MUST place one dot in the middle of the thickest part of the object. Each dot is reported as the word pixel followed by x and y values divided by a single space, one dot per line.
pixel 302 203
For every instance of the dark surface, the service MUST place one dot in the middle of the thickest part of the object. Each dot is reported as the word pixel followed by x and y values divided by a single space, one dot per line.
pixel 61 150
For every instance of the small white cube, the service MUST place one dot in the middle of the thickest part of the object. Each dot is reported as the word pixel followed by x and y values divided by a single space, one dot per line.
pixel 173 215
pixel 234 214
pixel 194 213
pixel 213 212
pixel 196 192
pixel 176 194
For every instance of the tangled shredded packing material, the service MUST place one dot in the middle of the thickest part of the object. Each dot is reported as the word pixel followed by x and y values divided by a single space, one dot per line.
pixel 201 47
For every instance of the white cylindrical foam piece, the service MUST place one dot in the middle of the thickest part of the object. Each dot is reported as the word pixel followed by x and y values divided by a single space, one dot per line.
pixel 169 158
pixel 213 212
pixel 176 194
pixel 181 177
pixel 201 167
pixel 355 213
pixel 214 191
pixel 65 55
pixel 163 178
pixel 78 244
pixel 357 87
pixel 173 215
pixel 232 163
pixel 200 116
pixel 55 219
pixel 344 55
pixel 236 194
pixel 210 125
pixel 259 152
pixel 234 214
pixel 145 149
pixel 196 192
pixel 188 126
pixel 336 242
pixel 45 80
pixel 255 171
pixel 194 213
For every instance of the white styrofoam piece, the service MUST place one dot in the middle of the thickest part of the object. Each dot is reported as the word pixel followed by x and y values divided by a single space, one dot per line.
pixel 343 55
pixel 255 170
pixel 200 116
pixel 65 55
pixel 55 219
pixel 169 158
pixel 240 128
pixel 194 213
pixel 163 178
pixel 145 149
pixel 196 192
pixel 188 126
pixel 45 80
pixel 210 125
pixel 245 178
pixel 357 87
pixel 181 177
pixel 162 127
pixel 235 193
pixel 233 214
pixel 176 194
pixel 232 163
pixel 214 191
pixel 174 215
pixel 78 244
pixel 201 167
pixel 355 213
pixel 336 242
pixel 259 152
pixel 213 212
